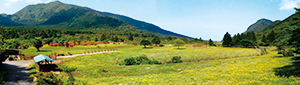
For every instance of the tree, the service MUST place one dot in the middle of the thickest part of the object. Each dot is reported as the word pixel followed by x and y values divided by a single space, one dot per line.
pixel 271 37
pixel 96 39
pixel 246 43
pixel 37 43
pixel 130 37
pixel 103 37
pixel 2 51
pixel 227 40
pixel 145 42
pixel 116 39
pixel 178 43
pixel 264 39
pixel 294 40
pixel 251 36
pixel 211 43
pixel 236 40
pixel 155 40
pixel 200 39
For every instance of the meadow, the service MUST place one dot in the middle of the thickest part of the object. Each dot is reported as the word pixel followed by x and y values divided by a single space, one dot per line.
pixel 244 69
pixel 78 49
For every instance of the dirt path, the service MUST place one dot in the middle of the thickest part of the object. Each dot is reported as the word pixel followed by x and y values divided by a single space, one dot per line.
pixel 85 54
pixel 17 73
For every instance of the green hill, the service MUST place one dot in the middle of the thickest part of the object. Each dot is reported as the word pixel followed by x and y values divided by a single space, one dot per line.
pixel 284 29
pixel 65 16
pixel 269 26
pixel 258 25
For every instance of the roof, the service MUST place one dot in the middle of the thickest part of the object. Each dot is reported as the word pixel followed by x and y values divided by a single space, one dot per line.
pixel 41 57
pixel 12 51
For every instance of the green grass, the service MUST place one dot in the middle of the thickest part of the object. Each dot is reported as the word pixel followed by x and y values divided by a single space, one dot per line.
pixel 90 66
pixel 48 50
pixel 245 70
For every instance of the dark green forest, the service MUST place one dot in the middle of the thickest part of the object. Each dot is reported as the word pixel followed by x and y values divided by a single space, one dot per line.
pixel 285 35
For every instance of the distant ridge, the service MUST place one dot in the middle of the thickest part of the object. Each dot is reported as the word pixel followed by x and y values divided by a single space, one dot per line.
pixel 65 16
pixel 258 25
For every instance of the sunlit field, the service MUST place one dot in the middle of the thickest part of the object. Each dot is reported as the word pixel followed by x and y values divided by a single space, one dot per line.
pixel 245 70
pixel 238 68
pixel 48 50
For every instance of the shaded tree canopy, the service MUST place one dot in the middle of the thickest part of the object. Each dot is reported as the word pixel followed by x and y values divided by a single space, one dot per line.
pixel 37 43
pixel 227 40
pixel 155 40
pixel 145 42
pixel 211 43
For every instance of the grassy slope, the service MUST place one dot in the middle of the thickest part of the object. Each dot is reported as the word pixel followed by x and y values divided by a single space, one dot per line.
pixel 247 70
pixel 90 66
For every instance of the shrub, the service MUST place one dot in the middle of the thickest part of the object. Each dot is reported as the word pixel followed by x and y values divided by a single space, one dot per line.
pixel 129 61
pixel 142 59
pixel 288 53
pixel 47 79
pixel 154 62
pixel 176 59
pixel 11 58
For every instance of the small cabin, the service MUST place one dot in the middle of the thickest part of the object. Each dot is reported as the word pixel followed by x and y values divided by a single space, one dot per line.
pixel 15 53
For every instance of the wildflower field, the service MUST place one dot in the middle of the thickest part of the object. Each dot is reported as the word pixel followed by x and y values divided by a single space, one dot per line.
pixel 238 68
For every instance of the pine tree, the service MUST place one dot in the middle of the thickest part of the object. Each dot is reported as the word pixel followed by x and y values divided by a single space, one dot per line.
pixel 211 43
pixel 264 39
pixel 200 39
pixel 294 41
pixel 227 40
pixel 271 37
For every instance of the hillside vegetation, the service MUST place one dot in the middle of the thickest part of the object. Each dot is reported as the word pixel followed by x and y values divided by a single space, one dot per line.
pixel 59 15
pixel 258 25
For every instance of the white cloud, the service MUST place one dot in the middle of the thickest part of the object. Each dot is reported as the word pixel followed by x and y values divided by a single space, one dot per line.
pixel 288 4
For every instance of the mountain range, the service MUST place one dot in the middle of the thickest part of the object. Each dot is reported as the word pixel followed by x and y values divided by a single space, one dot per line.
pixel 66 16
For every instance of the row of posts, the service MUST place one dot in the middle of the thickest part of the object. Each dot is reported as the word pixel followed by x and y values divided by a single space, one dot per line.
pixel 95 51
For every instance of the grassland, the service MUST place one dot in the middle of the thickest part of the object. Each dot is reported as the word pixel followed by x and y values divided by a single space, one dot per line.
pixel 243 70
pixel 48 50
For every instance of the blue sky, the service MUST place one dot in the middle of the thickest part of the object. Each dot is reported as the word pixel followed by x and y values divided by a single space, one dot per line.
pixel 195 18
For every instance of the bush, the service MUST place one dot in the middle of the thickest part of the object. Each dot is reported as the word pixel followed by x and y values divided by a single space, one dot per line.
pixel 130 61
pixel 47 79
pixel 154 62
pixel 142 59
pixel 288 53
pixel 176 59
pixel 11 58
